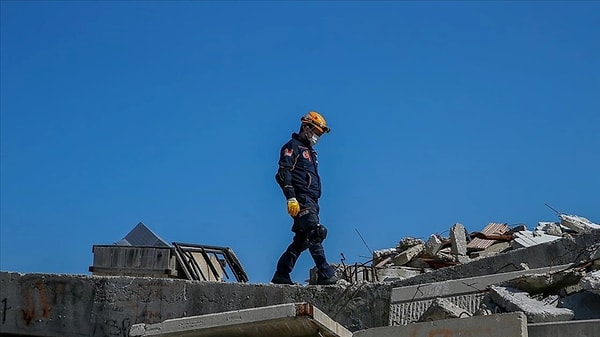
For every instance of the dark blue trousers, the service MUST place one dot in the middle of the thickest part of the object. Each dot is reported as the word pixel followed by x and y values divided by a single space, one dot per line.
pixel 305 237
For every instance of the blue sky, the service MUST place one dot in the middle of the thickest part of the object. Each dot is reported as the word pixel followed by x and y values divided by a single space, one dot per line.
pixel 173 113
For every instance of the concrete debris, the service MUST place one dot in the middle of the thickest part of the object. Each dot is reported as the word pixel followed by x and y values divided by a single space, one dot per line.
pixel 407 255
pixel 512 300
pixel 461 285
pixel 443 309
pixel 395 273
pixel 551 228
pixel 433 245
pixel 538 283
pixel 458 238
pixel 525 239
pixel 577 223
pixel 408 242
pixel 591 282
pixel 462 247
pixel 487 307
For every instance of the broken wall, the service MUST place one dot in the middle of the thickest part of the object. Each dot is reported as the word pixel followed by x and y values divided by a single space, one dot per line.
pixel 72 305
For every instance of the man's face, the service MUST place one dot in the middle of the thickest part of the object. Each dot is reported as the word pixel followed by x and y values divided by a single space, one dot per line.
pixel 313 134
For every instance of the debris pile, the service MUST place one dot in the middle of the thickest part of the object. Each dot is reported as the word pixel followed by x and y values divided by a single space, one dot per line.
pixel 413 256
pixel 571 294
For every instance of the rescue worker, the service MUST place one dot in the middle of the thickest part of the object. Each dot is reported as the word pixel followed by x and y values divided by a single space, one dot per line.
pixel 299 180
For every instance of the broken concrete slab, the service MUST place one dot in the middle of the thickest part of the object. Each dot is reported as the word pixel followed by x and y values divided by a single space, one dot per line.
pixel 525 239
pixel 433 245
pixel 511 299
pixel 407 255
pixel 577 223
pixel 547 282
pixel 458 237
pixel 497 325
pixel 395 273
pixel 293 319
pixel 442 309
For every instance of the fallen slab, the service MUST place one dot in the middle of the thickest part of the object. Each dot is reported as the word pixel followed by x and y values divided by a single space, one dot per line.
pixel 527 239
pixel 511 299
pixel 497 325
pixel 577 223
pixel 538 283
pixel 293 319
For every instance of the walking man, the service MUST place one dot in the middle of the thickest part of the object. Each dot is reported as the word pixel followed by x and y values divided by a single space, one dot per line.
pixel 299 180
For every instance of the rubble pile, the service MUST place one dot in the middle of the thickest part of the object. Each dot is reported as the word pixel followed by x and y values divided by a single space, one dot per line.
pixel 571 294
pixel 567 291
pixel 413 256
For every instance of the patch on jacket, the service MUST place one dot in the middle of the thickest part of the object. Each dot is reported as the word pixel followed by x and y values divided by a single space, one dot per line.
pixel 306 155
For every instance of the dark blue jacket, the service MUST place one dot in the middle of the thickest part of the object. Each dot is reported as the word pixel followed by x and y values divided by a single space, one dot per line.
pixel 298 173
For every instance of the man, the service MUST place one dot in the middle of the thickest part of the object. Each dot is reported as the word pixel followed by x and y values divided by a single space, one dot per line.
pixel 299 179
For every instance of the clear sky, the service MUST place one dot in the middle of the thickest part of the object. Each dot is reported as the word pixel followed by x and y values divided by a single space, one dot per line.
pixel 173 114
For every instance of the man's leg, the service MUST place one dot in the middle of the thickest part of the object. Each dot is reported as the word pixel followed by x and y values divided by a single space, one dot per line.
pixel 315 235
pixel 325 272
pixel 288 259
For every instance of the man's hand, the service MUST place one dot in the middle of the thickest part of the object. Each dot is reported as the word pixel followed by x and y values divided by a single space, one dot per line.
pixel 293 207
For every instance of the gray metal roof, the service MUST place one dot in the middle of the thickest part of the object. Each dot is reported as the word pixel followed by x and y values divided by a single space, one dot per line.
pixel 141 235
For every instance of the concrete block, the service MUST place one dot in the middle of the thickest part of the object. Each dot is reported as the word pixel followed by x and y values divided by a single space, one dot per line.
pixel 497 325
pixel 551 228
pixel 293 319
pixel 407 255
pixel 514 300
pixel 442 309
pixel 458 238
pixel 433 245
pixel 583 328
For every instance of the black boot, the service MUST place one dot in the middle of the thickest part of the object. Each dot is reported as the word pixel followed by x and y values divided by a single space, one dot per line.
pixel 281 279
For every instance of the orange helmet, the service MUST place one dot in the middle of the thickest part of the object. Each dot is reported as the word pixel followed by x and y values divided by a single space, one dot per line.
pixel 315 120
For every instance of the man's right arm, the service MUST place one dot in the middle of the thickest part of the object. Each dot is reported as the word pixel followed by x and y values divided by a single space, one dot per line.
pixel 287 161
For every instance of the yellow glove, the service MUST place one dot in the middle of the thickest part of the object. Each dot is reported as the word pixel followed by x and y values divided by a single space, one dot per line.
pixel 293 206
